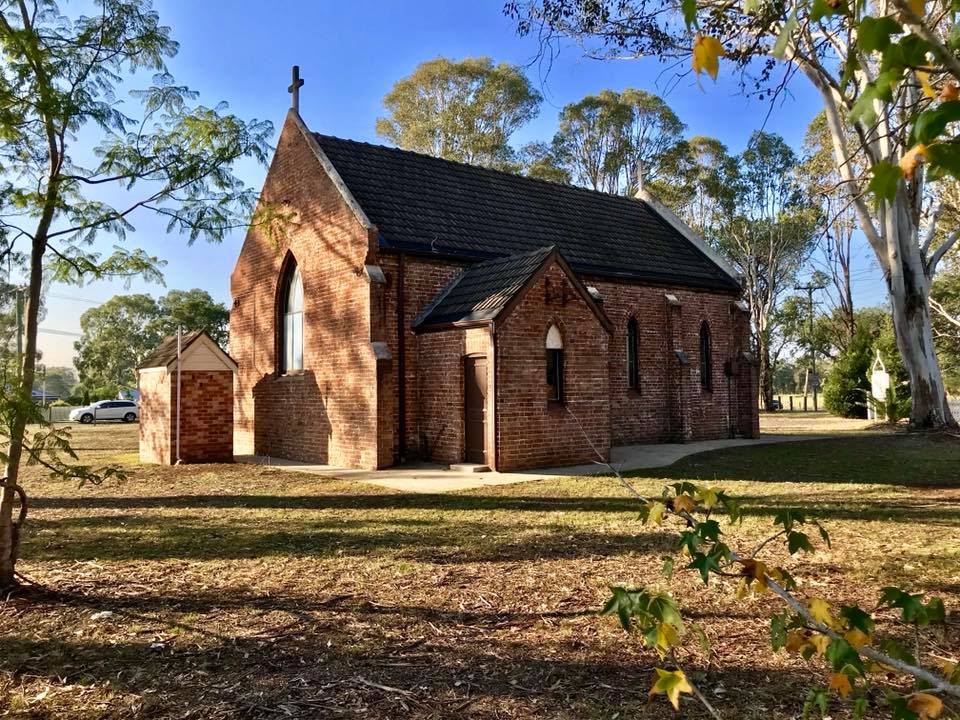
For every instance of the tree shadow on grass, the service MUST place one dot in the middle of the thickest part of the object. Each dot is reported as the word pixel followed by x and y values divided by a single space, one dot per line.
pixel 178 536
pixel 931 508
pixel 911 460
pixel 403 676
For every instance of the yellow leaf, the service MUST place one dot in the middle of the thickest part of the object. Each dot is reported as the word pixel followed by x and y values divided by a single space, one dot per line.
pixel 820 610
pixel 684 503
pixel 743 590
pixel 856 638
pixel 949 667
pixel 757 572
pixel 840 683
pixel 820 642
pixel 656 513
pixel 707 52
pixel 671 684
pixel 925 706
pixel 708 497
pixel 666 636
pixel 913 157
pixel 924 78
pixel 918 6
pixel 949 92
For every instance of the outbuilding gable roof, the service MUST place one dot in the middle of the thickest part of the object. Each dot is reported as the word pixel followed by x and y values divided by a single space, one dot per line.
pixel 165 353
pixel 483 292
pixel 425 204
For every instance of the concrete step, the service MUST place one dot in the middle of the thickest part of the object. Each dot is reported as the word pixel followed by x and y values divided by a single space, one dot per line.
pixel 469 468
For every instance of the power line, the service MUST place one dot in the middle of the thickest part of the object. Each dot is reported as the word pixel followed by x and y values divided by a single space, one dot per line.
pixel 50 331
pixel 75 299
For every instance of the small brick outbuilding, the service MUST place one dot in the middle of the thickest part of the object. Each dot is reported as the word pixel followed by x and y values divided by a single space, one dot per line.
pixel 204 385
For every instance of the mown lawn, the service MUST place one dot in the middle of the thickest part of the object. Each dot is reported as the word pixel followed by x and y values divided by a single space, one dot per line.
pixel 237 591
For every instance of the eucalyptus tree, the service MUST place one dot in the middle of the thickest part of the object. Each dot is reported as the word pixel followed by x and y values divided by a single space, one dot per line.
pixel 463 110
pixel 163 153
pixel 886 71
pixel 834 259
pixel 700 181
pixel 616 141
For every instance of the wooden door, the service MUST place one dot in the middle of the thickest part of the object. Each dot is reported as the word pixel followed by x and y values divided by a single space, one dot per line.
pixel 475 409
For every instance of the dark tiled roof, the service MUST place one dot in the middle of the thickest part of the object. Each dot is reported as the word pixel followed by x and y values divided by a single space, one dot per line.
pixel 422 203
pixel 481 291
pixel 166 351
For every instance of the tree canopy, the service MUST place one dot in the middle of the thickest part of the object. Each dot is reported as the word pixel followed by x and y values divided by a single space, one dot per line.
pixel 463 110
pixel 120 333
pixel 62 78
pixel 888 77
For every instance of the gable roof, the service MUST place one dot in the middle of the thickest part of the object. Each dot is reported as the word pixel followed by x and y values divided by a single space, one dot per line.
pixel 165 354
pixel 425 204
pixel 481 293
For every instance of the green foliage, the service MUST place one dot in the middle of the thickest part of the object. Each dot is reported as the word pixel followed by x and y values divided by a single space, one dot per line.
pixel 58 381
pixel 604 140
pixel 891 407
pixel 118 334
pixel 945 302
pixel 847 383
pixel 464 111
pixel 544 162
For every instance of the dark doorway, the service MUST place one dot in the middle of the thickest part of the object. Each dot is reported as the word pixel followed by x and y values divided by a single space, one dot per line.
pixel 475 408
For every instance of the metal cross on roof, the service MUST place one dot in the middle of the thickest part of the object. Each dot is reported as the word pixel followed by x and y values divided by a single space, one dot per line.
pixel 294 88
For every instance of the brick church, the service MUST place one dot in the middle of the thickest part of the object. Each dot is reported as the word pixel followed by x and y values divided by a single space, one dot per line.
pixel 416 308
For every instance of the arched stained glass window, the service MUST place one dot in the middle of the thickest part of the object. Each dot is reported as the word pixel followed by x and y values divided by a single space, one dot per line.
pixel 291 341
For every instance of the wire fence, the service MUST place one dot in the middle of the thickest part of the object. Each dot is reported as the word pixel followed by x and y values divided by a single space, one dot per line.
pixel 58 414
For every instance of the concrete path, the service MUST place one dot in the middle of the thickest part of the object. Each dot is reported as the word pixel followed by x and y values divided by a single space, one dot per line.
pixel 431 478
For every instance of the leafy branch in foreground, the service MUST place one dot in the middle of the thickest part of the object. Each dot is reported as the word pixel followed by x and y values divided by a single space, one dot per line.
pixel 843 640
pixel 167 155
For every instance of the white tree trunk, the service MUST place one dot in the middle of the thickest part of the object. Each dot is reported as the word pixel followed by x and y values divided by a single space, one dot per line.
pixel 909 300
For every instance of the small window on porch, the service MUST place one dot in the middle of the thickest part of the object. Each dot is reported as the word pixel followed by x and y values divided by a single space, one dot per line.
pixel 554 365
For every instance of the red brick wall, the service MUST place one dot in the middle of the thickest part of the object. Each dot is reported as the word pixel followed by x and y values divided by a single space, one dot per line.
pixel 645 416
pixel 439 409
pixel 531 432
pixel 423 278
pixel 327 413
pixel 206 417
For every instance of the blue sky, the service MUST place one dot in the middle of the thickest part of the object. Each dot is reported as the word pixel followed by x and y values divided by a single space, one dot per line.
pixel 350 54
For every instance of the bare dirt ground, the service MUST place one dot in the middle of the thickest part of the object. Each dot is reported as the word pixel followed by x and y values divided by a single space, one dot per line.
pixel 237 591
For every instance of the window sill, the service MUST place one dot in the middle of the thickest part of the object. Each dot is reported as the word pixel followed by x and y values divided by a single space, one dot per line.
pixel 290 376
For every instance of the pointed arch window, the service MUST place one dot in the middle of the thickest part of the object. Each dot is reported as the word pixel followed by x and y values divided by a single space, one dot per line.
pixel 706 359
pixel 633 355
pixel 291 333
pixel 554 365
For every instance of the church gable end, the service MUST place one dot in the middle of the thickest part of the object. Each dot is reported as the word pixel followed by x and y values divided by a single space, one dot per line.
pixel 323 407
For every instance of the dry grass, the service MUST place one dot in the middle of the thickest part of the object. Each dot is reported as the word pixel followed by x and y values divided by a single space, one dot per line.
pixel 238 592
pixel 814 423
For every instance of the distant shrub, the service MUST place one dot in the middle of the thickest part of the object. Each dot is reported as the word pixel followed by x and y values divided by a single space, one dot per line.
pixel 848 383
pixel 60 403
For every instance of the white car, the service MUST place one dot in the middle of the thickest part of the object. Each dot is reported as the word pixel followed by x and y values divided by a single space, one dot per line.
pixel 125 410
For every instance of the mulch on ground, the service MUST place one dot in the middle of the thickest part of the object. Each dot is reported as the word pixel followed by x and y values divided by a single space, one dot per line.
pixel 240 591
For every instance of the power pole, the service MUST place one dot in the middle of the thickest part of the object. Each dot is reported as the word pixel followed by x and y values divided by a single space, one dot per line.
pixel 809 288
